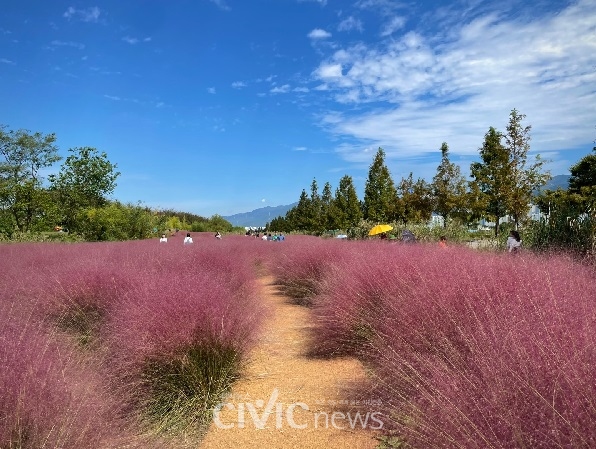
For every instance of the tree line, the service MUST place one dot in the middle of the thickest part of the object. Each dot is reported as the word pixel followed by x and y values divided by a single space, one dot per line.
pixel 503 183
pixel 76 198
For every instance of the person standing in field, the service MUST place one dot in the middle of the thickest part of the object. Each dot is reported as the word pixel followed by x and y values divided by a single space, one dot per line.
pixel 513 242
pixel 443 241
pixel 188 239
pixel 163 239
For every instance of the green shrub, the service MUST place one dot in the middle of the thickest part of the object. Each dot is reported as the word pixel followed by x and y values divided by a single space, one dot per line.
pixel 183 390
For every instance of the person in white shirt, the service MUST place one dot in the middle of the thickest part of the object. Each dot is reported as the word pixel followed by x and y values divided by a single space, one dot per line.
pixel 513 242
pixel 187 239
pixel 163 239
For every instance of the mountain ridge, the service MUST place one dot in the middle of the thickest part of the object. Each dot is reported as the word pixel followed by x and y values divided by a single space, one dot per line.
pixel 259 217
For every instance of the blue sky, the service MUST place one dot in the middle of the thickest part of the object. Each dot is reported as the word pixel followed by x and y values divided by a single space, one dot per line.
pixel 224 106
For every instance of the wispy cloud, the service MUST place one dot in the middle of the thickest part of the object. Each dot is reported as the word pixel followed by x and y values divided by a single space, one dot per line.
pixel 77 45
pixel 112 97
pixel 396 23
pixel 385 7
pixel 299 149
pixel 135 40
pixel 280 89
pixel 130 40
pixel 85 15
pixel 436 90
pixel 211 90
pixel 321 2
pixel 349 24
pixel 238 84
pixel 221 4
pixel 319 33
pixel 7 61
pixel 301 89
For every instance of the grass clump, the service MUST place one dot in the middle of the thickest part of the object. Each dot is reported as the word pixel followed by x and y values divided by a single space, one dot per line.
pixel 82 321
pixel 183 390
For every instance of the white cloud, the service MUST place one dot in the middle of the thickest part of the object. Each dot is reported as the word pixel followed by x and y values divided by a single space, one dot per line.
pixel 211 90
pixel 221 4
pixel 112 97
pixel 322 2
pixel 349 24
pixel 78 45
pixel 130 40
pixel 134 40
pixel 318 33
pixel 7 61
pixel 280 89
pixel 299 148
pixel 396 23
pixel 85 15
pixel 238 84
pixel 327 71
pixel 436 90
pixel 301 89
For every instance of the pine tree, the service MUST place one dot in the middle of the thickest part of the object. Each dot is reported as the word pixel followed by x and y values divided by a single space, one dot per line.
pixel 380 194
pixel 345 209
pixel 448 188
pixel 493 175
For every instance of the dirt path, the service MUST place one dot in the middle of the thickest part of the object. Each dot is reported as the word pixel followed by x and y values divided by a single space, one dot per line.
pixel 308 400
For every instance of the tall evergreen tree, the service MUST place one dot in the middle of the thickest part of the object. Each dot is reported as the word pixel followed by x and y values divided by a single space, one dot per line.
pixel 380 194
pixel 300 216
pixel 346 211
pixel 448 188
pixel 326 202
pixel 316 213
pixel 493 176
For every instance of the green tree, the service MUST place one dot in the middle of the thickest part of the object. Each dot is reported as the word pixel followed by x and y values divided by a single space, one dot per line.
pixel 526 177
pixel 24 156
pixel 316 217
pixel 345 208
pixel 380 194
pixel 448 188
pixel 300 216
pixel 493 177
pixel 85 180
pixel 326 209
pixel 219 223
pixel 583 174
pixel 415 200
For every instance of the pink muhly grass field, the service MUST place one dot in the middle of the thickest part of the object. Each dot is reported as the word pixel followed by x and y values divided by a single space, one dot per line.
pixel 170 327
pixel 48 397
pixel 469 349
pixel 301 266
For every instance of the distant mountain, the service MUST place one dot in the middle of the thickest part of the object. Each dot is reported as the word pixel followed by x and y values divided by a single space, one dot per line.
pixel 259 217
pixel 557 182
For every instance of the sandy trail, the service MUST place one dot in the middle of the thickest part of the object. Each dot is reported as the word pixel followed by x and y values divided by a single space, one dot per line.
pixel 281 376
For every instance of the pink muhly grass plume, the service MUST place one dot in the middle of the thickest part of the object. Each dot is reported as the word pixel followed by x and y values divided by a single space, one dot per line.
pixel 48 398
pixel 178 340
pixel 302 266
pixel 469 349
